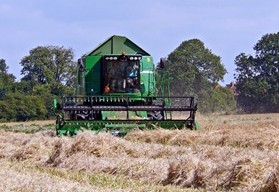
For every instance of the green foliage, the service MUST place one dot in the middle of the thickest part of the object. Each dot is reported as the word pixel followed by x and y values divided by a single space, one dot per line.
pixel 6 79
pixel 22 107
pixel 48 73
pixel 258 77
pixel 195 70
pixel 220 99
pixel 49 65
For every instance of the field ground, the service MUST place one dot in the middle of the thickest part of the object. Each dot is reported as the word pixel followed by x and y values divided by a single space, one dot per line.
pixel 228 153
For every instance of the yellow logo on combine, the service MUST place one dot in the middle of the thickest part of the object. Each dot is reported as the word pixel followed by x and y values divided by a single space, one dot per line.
pixel 148 59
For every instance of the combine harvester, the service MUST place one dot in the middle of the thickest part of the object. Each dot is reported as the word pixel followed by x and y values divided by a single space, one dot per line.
pixel 116 92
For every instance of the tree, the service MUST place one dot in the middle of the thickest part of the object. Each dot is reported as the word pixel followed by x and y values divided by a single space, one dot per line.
pixel 16 105
pixel 50 65
pixel 3 66
pixel 221 99
pixel 194 70
pixel 6 79
pixel 22 107
pixel 257 77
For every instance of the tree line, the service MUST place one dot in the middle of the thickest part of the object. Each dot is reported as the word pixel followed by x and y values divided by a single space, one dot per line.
pixel 257 76
pixel 195 70
pixel 49 72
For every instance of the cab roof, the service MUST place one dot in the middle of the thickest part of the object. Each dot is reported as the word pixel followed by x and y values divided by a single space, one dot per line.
pixel 115 45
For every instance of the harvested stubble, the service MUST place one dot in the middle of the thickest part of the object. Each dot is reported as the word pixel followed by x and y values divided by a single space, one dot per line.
pixel 15 177
pixel 258 135
pixel 25 128
pixel 233 156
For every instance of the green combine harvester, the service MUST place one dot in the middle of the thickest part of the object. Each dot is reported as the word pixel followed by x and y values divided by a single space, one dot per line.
pixel 116 92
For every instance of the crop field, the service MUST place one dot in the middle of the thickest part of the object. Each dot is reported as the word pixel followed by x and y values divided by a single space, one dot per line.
pixel 227 153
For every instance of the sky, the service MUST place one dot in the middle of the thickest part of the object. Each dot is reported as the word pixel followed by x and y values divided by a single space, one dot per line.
pixel 226 27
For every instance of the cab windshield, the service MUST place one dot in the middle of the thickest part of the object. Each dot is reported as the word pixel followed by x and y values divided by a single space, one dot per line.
pixel 121 75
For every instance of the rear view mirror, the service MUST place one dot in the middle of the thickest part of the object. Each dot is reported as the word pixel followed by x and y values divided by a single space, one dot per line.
pixel 81 65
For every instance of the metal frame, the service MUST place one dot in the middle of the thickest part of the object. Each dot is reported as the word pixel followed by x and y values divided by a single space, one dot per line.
pixel 123 103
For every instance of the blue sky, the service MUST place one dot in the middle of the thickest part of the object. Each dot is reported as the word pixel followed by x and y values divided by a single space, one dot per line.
pixel 159 26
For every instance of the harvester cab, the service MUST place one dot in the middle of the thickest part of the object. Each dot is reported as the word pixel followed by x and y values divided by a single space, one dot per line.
pixel 121 73
pixel 116 91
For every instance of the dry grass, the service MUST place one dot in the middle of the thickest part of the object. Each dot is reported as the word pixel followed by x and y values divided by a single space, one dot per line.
pixel 17 177
pixel 28 123
pixel 235 152
pixel 28 127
